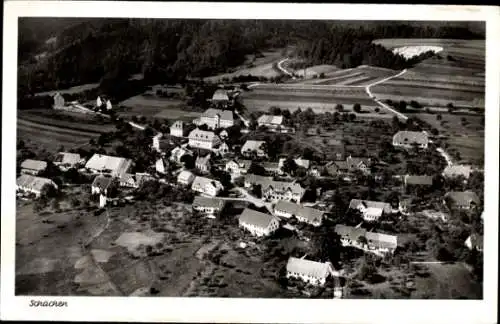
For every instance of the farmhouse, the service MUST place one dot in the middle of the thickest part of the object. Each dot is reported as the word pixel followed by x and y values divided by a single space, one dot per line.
pixel 58 101
pixel 257 223
pixel 371 210
pixel 178 129
pixel 215 118
pixel 177 153
pixel 358 163
pixel 452 171
pixel 461 200
pixel 270 121
pixel 415 180
pixel 33 167
pixel 127 180
pixel 208 206
pixel 103 185
pixel 271 167
pixel 221 98
pixel 105 164
pixel 185 178
pixel 362 239
pixel 252 147
pixel 303 214
pixel 237 168
pixel 203 163
pixel 65 160
pixel 206 186
pixel 409 139
pixel 203 139
pixel 309 271
pixel 280 190
pixel 30 184
pixel 474 242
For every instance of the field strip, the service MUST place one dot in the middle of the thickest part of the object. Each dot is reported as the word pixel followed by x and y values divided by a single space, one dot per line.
pixel 56 129
pixel 360 79
pixel 63 124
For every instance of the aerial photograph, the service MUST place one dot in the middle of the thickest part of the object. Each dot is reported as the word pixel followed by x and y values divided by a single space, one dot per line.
pixel 327 159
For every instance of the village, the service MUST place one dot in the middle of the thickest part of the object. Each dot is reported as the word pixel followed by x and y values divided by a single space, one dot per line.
pixel 222 158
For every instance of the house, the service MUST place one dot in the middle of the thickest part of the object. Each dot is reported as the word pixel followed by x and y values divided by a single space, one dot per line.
pixel 253 179
pixel 203 163
pixel 141 178
pixel 206 186
pixel 254 147
pixel 178 152
pixel 358 163
pixel 462 199
pixel 362 239
pixel 208 206
pixel 58 101
pixel 128 180
pixel 381 242
pixel 215 118
pixel 280 190
pixel 161 166
pixel 315 171
pixel 456 170
pixel 271 167
pixel 415 180
pixel 336 168
pixel 105 164
pixel 33 167
pixel 371 210
pixel 257 223
pixel 65 160
pixel 203 139
pixel 474 241
pixel 223 149
pixel 221 98
pixel 185 178
pixel 299 161
pixel 409 139
pixel 156 142
pixel 303 214
pixel 27 183
pixel 237 168
pixel 178 129
pixel 102 184
pixel 312 272
pixel 270 121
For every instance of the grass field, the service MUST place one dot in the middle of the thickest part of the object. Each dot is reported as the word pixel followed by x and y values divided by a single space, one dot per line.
pixel 151 106
pixel 359 76
pixel 71 90
pixel 50 129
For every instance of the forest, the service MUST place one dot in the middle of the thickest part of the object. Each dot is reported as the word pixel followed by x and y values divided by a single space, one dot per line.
pixel 171 51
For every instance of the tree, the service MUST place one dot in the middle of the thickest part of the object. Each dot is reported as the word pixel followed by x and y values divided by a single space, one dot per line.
pixel 257 169
pixel 377 109
pixel 55 205
pixel 362 240
pixel 257 191
pixel 339 107
pixel 289 166
pixel 188 161
pixel 357 108
pixel 48 191
pixel 439 117
pixel 402 106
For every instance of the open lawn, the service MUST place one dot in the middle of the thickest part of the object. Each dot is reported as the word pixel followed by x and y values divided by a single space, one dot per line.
pixel 154 107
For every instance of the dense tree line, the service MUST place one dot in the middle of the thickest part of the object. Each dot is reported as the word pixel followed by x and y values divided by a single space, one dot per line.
pixel 172 50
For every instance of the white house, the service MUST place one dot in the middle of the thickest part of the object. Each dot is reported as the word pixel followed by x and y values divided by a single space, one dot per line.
pixel 371 210
pixel 408 139
pixel 33 167
pixel 237 168
pixel 373 242
pixel 257 223
pixel 206 186
pixel 32 184
pixel 462 200
pixel 178 152
pixel 156 142
pixel 105 164
pixel 474 241
pixel 185 178
pixel 208 206
pixel 178 129
pixel 58 101
pixel 452 171
pixel 254 147
pixel 216 118
pixel 270 121
pixel 203 139
pixel 161 166
pixel 309 271
pixel 202 163
pixel 280 190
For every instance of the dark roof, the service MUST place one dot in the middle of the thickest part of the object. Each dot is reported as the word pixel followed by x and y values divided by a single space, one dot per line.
pixel 200 201
pixel 102 182
pixel 351 232
pixel 418 180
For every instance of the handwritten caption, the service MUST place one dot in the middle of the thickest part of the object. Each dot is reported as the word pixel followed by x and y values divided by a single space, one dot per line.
pixel 48 303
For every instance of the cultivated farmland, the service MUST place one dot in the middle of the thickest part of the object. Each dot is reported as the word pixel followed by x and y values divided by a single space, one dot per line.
pixel 154 107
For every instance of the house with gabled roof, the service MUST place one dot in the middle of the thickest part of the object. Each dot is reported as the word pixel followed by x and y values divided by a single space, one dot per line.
pixel 66 160
pixel 417 180
pixel 258 223
pixel 462 200
pixel 474 242
pixel 303 214
pixel 185 178
pixel 203 139
pixel 215 118
pixel 221 98
pixel 299 161
pixel 379 242
pixel 178 152
pixel 254 147
pixel 58 101
pixel 33 167
pixel 456 170
pixel 27 183
pixel 362 239
pixel 371 210
pixel 309 271
pixel 202 163
pixel 271 167
pixel 237 168
pixel 209 206
pixel 281 190
pixel 103 184
pixel 207 186
pixel 105 164
pixel 254 179
pixel 178 129
pixel 409 139
pixel 271 121
pixel 358 163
